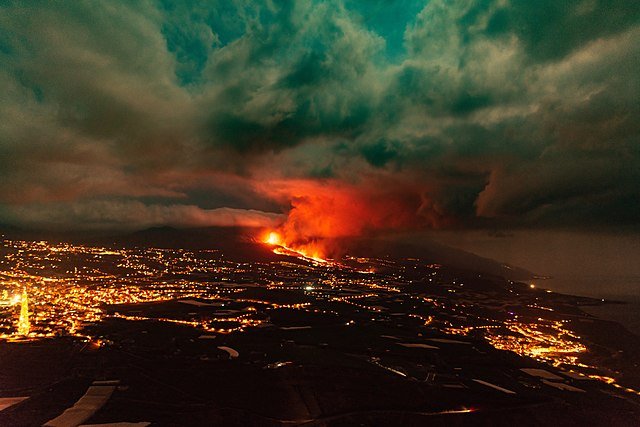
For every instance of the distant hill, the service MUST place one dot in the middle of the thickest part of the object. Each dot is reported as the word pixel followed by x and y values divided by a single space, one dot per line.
pixel 76 236
pixel 236 243
pixel 239 244
pixel 433 252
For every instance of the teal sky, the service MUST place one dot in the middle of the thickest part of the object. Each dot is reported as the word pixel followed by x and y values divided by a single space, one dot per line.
pixel 427 114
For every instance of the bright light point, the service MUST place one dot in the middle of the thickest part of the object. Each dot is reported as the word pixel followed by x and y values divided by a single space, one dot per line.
pixel 532 286
pixel 273 238
pixel 308 288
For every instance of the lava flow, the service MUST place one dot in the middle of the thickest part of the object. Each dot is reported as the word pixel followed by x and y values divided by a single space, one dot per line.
pixel 280 247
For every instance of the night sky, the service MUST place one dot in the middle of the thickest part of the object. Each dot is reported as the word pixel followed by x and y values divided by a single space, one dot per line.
pixel 335 118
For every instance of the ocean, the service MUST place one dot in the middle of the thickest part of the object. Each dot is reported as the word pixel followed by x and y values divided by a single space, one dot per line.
pixel 620 288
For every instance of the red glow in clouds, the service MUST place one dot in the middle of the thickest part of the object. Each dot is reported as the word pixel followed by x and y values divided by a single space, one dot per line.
pixel 322 212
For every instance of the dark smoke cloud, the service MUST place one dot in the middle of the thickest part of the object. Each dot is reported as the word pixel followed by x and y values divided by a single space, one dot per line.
pixel 465 113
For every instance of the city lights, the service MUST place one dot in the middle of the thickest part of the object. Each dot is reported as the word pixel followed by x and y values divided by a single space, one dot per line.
pixel 59 289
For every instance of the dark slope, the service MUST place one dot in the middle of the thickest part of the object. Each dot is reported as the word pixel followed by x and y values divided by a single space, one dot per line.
pixel 236 243
pixel 434 253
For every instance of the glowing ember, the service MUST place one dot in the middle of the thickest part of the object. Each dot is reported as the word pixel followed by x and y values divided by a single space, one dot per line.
pixel 273 238
pixel 302 251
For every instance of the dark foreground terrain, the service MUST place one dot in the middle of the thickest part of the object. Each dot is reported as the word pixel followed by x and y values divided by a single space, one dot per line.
pixel 189 338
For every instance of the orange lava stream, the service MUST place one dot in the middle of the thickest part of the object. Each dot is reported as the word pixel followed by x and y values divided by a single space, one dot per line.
pixel 280 247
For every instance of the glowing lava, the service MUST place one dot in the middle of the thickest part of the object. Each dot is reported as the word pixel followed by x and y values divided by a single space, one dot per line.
pixel 275 239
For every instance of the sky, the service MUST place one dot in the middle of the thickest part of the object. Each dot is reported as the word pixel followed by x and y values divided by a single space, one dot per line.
pixel 323 118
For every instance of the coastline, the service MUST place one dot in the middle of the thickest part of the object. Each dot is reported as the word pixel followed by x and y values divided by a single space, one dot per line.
pixel 626 313
pixel 620 302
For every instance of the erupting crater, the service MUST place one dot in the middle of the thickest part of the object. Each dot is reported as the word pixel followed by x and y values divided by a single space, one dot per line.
pixel 307 252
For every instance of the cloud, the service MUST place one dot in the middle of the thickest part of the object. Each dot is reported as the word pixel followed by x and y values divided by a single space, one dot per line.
pixel 472 113
pixel 131 215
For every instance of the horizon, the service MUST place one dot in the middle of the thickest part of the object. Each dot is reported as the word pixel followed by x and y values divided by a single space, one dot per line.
pixel 576 262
